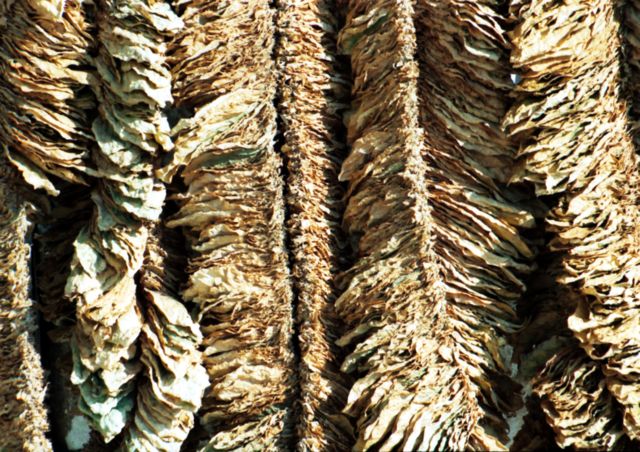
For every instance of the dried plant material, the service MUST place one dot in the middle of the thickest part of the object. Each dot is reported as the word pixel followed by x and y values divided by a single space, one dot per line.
pixel 134 86
pixel 44 91
pixel 631 30
pixel 23 417
pixel 478 254
pixel 544 337
pixel 535 434
pixel 572 126
pixel 108 324
pixel 57 228
pixel 54 235
pixel 69 426
pixel 415 388
pixel 313 92
pixel 254 435
pixel 233 214
pixel 577 403
pixel 174 379
pixel 432 312
pixel 463 56
pixel 465 73
pixel 545 307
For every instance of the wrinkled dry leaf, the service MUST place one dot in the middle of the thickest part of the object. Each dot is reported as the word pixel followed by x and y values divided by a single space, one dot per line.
pixel 572 123
pixel 45 128
pixel 256 435
pixel 577 403
pixel 23 417
pixel 174 379
pixel 314 92
pixel 130 131
pixel 232 211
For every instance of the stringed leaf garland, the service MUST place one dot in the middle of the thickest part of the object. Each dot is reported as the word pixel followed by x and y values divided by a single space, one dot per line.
pixel 571 120
pixel 173 378
pixel 314 92
pixel 232 212
pixel 478 220
pixel 133 87
pixel 412 391
pixel 45 134
pixel 44 95
pixel 410 348
pixel 23 417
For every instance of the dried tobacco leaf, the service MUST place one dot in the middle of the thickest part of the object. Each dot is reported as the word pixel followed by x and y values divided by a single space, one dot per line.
pixel 54 235
pixel 414 390
pixel 174 379
pixel 70 427
pixel 313 94
pixel 577 403
pixel 572 125
pixel 23 417
pixel 550 365
pixel 631 14
pixel 43 91
pixel 632 58
pixel 233 214
pixel 463 56
pixel 133 88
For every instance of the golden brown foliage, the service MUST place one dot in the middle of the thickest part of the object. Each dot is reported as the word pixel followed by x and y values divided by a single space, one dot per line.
pixel 44 129
pixel 23 416
pixel 463 56
pixel 224 85
pixel 132 89
pixel 173 379
pixel 571 121
pixel 313 95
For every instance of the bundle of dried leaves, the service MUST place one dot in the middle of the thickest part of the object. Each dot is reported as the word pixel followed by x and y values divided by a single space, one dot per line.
pixel 102 103
pixel 577 403
pixel 313 91
pixel 572 124
pixel 54 235
pixel 413 390
pixel 233 214
pixel 174 380
pixel 44 95
pixel 23 416
pixel 133 87
pixel 463 53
